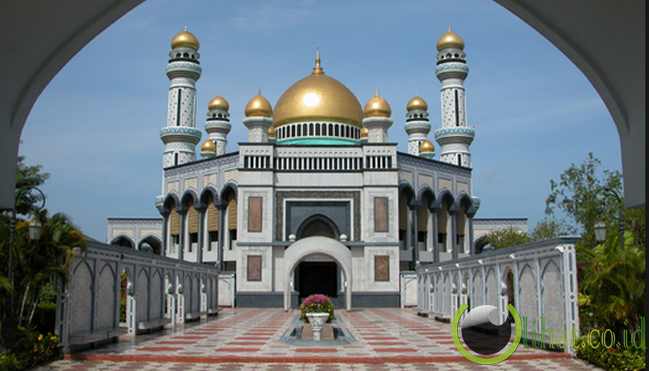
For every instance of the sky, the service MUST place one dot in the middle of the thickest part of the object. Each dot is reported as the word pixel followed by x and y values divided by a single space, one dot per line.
pixel 96 126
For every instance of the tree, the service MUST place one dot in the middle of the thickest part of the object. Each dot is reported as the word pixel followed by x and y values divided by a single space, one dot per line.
pixel 611 276
pixel 506 237
pixel 36 263
pixel 549 228
pixel 580 194
pixel 27 178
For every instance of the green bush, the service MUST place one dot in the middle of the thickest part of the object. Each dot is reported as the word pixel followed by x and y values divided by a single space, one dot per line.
pixel 9 362
pixel 615 358
pixel 32 349
pixel 316 303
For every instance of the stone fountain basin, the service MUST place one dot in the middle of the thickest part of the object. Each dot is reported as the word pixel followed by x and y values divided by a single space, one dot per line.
pixel 334 333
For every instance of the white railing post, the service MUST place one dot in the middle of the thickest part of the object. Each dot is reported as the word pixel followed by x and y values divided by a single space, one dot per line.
pixel 130 308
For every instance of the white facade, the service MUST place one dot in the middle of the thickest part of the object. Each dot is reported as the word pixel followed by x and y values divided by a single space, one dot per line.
pixel 315 208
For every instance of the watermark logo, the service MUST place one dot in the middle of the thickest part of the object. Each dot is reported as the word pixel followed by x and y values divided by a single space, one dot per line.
pixel 486 347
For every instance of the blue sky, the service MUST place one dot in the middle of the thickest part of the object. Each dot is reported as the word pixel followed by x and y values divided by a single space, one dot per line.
pixel 96 126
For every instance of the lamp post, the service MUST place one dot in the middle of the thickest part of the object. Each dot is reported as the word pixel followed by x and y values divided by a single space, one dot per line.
pixel 600 227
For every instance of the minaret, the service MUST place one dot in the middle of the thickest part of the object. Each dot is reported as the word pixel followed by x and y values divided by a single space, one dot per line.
pixel 258 119
pixel 208 148
pixel 427 149
pixel 217 124
pixel 180 135
pixel 455 135
pixel 417 124
pixel 376 119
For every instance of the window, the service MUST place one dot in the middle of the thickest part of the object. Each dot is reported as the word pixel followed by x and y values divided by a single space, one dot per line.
pixel 212 236
pixel 175 159
pixel 229 266
pixel 317 129
pixel 233 237
pixel 381 268
pixel 253 268
pixel 255 209
pixel 459 160
pixel 380 214
pixel 441 239
pixel 193 238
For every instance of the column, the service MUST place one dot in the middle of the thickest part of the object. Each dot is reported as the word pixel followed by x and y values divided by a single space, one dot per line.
pixel 201 234
pixel 183 231
pixel 408 228
pixel 429 231
pixel 415 227
pixel 435 247
pixel 219 259
pixel 453 236
pixel 165 229
pixel 471 245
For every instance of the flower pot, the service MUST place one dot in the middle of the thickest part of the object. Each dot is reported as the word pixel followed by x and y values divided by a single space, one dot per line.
pixel 317 321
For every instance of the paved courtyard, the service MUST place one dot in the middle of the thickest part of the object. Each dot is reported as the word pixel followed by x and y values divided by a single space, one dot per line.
pixel 250 339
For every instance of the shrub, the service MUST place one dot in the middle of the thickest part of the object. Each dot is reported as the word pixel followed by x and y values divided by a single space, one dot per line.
pixel 615 358
pixel 9 362
pixel 32 349
pixel 316 303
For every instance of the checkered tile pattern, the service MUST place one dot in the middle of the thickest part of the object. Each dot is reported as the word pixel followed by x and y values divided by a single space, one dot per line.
pixel 250 339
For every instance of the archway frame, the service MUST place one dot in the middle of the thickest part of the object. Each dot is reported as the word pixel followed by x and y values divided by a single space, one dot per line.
pixel 334 249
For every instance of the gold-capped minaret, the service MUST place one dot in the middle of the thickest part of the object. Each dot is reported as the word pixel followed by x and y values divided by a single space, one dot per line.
pixel 185 39
pixel 450 39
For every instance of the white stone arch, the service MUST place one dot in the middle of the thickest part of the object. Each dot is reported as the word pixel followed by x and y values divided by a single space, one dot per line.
pixel 318 245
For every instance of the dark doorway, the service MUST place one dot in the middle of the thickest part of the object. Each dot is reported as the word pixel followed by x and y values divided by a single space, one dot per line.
pixel 317 278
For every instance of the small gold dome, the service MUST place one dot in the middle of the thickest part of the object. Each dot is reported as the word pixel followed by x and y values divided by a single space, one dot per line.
pixel 377 107
pixel 417 103
pixel 426 146
pixel 450 40
pixel 258 106
pixel 364 133
pixel 271 132
pixel 208 146
pixel 318 97
pixel 219 103
pixel 185 39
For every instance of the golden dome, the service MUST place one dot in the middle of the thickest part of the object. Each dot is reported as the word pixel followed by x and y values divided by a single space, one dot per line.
pixel 450 39
pixel 377 107
pixel 208 146
pixel 364 133
pixel 318 97
pixel 271 132
pixel 219 103
pixel 185 39
pixel 258 106
pixel 417 103
pixel 426 146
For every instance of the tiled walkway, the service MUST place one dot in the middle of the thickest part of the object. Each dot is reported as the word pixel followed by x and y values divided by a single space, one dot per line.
pixel 244 339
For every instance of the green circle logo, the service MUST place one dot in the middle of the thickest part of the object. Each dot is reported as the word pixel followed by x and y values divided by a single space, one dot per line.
pixel 466 353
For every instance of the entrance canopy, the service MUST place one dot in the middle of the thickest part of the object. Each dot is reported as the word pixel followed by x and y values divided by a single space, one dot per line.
pixel 322 246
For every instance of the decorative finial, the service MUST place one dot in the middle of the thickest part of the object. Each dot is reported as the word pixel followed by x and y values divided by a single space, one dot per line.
pixel 449 28
pixel 317 70
pixel 259 91
pixel 185 28
pixel 376 92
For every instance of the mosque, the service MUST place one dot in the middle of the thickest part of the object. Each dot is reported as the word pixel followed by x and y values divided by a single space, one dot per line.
pixel 318 199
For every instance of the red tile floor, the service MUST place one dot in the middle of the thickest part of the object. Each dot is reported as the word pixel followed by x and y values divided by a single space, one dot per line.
pixel 249 339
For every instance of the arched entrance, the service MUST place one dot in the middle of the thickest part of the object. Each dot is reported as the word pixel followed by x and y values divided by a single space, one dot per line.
pixel 320 248
pixel 123 241
pixel 151 244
